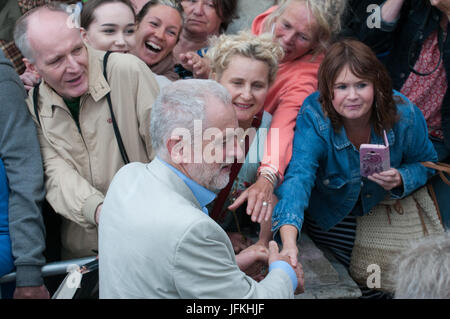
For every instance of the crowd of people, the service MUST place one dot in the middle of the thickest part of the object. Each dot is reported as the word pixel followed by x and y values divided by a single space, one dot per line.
pixel 158 137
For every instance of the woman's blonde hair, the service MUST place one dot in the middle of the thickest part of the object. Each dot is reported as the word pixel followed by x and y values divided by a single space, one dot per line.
pixel 262 48
pixel 328 14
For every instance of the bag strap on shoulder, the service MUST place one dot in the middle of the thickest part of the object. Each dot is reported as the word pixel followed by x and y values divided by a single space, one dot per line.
pixel 36 102
pixel 122 150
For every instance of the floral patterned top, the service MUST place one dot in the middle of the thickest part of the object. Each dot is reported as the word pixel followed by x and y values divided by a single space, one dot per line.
pixel 427 92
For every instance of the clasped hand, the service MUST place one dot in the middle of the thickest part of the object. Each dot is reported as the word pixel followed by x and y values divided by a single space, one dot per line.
pixel 255 259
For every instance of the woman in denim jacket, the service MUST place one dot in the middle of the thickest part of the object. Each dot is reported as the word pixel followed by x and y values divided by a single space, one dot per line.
pixel 355 105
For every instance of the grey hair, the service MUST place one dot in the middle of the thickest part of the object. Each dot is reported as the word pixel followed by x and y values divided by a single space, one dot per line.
pixel 21 28
pixel 423 270
pixel 178 105
pixel 328 14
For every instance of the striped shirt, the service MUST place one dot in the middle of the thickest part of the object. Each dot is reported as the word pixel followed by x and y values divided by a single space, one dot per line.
pixel 340 240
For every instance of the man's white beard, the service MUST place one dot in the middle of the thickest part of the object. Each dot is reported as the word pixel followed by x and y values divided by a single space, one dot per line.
pixel 210 178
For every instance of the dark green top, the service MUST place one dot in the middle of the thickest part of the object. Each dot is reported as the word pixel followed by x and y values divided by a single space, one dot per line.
pixel 74 108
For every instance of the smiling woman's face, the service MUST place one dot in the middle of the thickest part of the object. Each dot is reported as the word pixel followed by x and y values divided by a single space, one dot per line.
pixel 157 34
pixel 112 28
pixel 247 80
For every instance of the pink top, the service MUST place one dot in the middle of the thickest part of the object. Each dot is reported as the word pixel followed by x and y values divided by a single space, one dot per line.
pixel 294 82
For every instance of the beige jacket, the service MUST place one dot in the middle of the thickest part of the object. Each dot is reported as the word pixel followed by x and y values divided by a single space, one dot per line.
pixel 79 165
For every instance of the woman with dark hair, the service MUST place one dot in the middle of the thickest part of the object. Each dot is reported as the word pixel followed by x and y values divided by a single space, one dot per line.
pixel 355 105
pixel 108 25
pixel 203 19
pixel 159 25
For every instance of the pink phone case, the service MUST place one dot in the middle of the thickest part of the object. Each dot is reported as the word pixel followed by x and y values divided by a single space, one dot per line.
pixel 374 158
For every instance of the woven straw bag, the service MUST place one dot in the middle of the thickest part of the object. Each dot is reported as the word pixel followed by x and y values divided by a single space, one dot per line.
pixel 388 229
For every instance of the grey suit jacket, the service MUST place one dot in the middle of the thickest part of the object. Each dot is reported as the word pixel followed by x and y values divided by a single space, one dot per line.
pixel 156 242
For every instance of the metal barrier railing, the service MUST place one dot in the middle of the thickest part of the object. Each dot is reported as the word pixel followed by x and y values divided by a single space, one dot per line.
pixel 53 269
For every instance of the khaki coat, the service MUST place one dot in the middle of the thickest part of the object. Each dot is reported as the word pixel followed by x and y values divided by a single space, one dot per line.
pixel 79 163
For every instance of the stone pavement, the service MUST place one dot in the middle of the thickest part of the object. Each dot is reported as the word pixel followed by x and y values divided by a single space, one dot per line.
pixel 325 277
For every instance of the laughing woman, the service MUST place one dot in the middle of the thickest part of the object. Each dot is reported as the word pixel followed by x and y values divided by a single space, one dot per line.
pixel 159 24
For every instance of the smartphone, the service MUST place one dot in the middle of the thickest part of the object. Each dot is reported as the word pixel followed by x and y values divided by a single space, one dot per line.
pixel 374 158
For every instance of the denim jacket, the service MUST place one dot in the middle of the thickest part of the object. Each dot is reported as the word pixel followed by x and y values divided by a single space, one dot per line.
pixel 6 257
pixel 324 171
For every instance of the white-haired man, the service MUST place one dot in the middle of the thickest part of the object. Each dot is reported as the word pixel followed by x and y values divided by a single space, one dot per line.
pixel 422 270
pixel 156 239
pixel 79 147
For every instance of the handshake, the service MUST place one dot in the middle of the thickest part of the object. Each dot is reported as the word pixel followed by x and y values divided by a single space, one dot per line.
pixel 255 259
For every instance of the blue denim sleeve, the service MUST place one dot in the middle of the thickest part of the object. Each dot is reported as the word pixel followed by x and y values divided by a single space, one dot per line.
pixel 294 192
pixel 280 264
pixel 417 148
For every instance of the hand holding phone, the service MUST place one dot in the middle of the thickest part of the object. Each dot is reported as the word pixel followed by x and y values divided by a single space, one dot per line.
pixel 374 158
pixel 387 179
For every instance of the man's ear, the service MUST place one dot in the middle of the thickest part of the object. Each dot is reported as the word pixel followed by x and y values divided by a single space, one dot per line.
pixel 30 66
pixel 84 35
pixel 176 147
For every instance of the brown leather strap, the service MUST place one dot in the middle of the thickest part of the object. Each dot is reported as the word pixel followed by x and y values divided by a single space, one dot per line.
pixel 435 202
pixel 422 220
pixel 441 168
pixel 388 212
pixel 444 178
